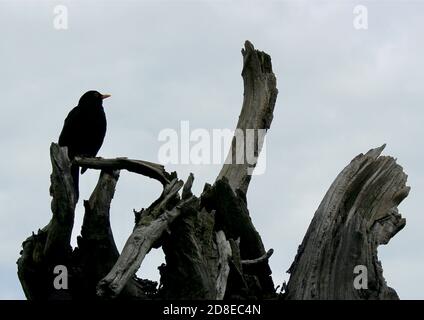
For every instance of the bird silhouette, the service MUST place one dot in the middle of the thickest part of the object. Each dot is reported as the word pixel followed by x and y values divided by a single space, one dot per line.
pixel 84 130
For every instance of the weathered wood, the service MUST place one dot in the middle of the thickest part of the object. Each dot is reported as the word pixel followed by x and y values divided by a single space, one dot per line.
pixel 145 168
pixel 224 254
pixel 232 216
pixel 51 245
pixel 260 94
pixel 63 204
pixel 194 242
pixel 265 257
pixel 150 227
pixel 96 224
pixel 191 257
pixel 96 253
pixel 191 249
pixel 212 249
pixel 187 187
pixel 195 253
pixel 358 213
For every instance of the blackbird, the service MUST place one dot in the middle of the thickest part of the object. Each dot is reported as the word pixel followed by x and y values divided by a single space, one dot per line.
pixel 84 130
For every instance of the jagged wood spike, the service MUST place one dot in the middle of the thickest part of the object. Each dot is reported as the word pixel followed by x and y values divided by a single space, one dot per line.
pixel 358 213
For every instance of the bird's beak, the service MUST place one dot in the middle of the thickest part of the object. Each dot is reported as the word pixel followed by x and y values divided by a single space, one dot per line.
pixel 105 96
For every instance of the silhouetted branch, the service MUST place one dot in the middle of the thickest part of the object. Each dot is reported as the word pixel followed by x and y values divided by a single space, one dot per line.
pixel 145 168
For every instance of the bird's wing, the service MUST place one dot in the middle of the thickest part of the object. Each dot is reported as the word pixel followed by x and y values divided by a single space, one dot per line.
pixel 69 127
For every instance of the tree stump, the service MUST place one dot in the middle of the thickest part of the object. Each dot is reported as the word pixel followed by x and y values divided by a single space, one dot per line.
pixel 209 240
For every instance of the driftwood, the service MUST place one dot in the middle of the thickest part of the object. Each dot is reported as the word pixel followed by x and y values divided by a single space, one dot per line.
pixel 212 249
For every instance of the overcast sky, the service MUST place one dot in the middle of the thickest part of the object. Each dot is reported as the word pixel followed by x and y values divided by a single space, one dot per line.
pixel 342 91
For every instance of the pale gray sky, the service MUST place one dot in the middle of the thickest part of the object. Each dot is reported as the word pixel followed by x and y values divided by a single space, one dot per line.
pixel 342 91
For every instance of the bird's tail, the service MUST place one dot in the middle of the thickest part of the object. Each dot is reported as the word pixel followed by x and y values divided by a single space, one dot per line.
pixel 75 176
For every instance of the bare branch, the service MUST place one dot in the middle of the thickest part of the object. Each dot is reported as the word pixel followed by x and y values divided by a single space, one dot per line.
pixel 263 258
pixel 145 168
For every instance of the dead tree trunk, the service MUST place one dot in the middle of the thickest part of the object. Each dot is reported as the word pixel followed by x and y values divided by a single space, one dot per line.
pixel 358 213
pixel 195 245
pixel 209 240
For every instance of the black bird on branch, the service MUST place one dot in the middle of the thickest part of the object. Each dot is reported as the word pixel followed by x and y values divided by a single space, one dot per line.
pixel 84 130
